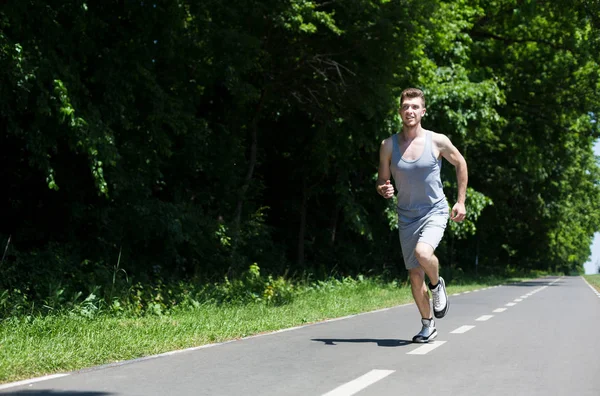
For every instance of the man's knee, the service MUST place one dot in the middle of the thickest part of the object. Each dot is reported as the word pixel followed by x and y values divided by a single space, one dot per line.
pixel 423 252
pixel 416 275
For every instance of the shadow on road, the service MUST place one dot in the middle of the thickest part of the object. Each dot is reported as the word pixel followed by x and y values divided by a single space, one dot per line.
pixel 381 343
pixel 50 392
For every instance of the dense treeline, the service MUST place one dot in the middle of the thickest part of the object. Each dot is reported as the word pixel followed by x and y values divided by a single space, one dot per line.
pixel 183 139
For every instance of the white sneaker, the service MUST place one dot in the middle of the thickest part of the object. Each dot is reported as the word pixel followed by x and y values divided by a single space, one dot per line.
pixel 427 333
pixel 440 299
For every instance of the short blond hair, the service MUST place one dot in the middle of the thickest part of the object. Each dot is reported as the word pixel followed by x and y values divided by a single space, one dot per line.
pixel 412 93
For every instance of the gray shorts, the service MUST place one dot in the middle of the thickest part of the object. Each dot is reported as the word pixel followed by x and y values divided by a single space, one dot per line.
pixel 429 229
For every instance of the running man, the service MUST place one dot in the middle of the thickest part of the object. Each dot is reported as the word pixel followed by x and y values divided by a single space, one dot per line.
pixel 413 158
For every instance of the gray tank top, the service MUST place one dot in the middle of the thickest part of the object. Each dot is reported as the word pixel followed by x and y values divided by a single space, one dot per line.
pixel 418 182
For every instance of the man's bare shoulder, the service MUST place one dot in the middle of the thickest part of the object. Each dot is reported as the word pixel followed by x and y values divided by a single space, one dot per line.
pixel 438 136
pixel 385 150
pixel 440 140
pixel 388 142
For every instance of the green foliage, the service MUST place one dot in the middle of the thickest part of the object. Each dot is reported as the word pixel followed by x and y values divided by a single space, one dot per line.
pixel 159 299
pixel 476 203
pixel 251 287
pixel 154 136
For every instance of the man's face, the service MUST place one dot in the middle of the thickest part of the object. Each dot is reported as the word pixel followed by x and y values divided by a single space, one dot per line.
pixel 411 111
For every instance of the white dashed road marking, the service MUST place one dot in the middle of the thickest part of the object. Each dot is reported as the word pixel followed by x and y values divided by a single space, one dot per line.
pixel 425 349
pixel 484 318
pixel 355 386
pixel 462 329
pixel 511 304
pixel 498 310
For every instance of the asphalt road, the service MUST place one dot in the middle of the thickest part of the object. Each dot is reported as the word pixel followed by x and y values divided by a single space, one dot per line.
pixel 535 338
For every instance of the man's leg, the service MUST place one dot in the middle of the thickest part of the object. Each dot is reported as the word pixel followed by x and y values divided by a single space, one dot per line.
pixel 430 264
pixel 421 295
pixel 428 261
pixel 420 292
pixel 409 236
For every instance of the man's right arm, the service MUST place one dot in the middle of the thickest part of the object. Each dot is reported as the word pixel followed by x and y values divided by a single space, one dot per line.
pixel 384 186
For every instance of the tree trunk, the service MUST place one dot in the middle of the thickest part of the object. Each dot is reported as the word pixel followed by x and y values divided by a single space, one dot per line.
pixel 247 180
pixel 302 228
pixel 334 223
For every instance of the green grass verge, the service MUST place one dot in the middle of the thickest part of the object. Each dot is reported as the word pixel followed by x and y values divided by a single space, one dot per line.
pixel 593 280
pixel 35 346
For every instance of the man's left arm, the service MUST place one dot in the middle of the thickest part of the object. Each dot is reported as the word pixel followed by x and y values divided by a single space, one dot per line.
pixel 452 155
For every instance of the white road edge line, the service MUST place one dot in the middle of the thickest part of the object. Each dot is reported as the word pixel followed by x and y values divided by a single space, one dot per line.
pixel 31 381
pixel 462 329
pixel 425 349
pixel 355 386
pixel 591 287
pixel 483 318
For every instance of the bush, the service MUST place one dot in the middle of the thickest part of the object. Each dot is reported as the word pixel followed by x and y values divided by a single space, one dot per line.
pixel 252 288
pixel 139 299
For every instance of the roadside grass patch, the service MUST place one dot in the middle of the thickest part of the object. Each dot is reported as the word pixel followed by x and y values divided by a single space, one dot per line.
pixel 593 280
